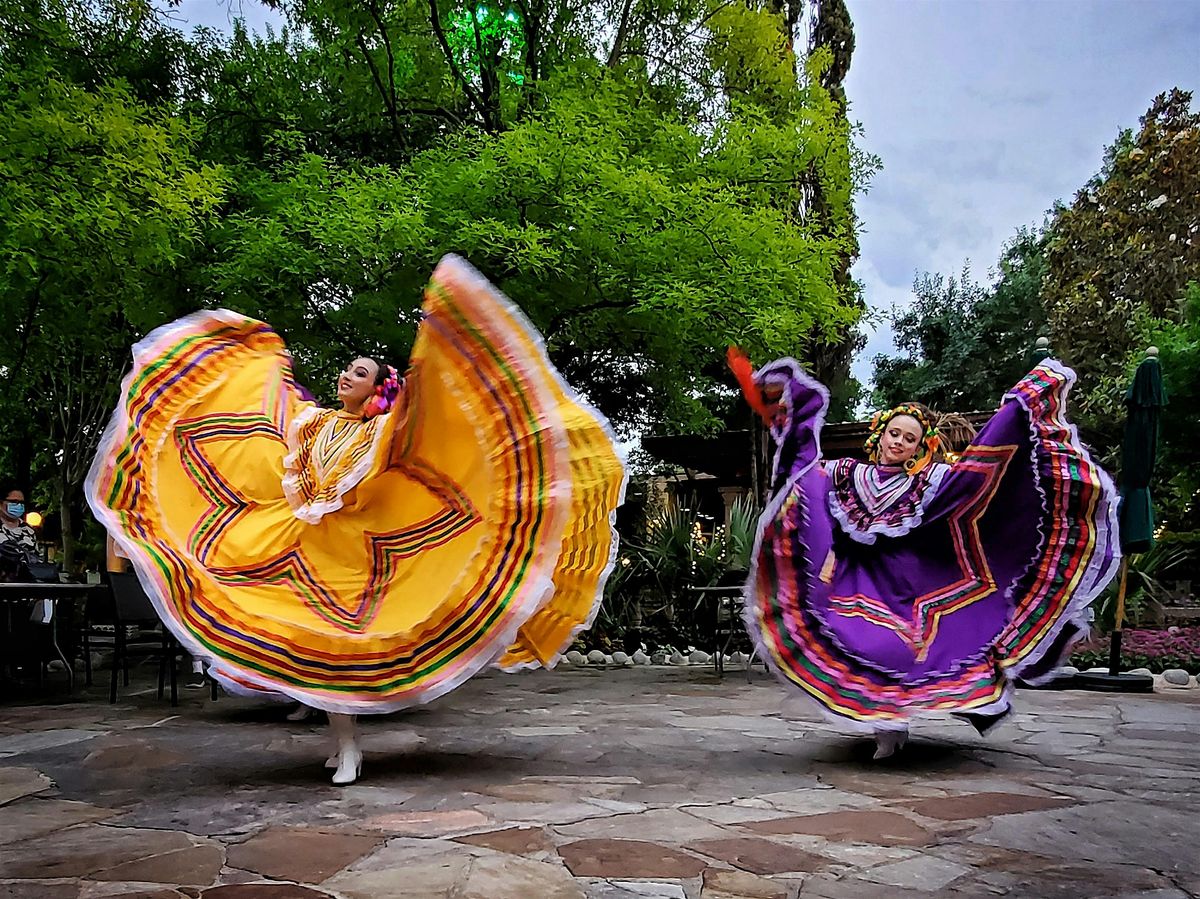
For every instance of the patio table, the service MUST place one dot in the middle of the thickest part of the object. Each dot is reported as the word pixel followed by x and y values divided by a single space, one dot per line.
pixel 12 594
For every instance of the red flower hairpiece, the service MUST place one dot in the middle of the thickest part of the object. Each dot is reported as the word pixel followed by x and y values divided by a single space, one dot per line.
pixel 385 396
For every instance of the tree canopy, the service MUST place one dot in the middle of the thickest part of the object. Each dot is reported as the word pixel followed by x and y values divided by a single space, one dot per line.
pixel 1130 240
pixel 963 343
pixel 1177 485
pixel 639 176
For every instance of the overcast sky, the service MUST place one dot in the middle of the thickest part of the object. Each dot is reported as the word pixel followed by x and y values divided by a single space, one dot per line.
pixel 983 112
pixel 221 14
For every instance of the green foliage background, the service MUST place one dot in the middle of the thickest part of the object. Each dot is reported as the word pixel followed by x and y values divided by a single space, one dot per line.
pixel 651 181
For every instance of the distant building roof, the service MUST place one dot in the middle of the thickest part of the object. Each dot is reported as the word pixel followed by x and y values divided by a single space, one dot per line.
pixel 727 455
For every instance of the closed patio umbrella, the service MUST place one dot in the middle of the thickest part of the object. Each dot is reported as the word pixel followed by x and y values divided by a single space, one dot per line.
pixel 1144 401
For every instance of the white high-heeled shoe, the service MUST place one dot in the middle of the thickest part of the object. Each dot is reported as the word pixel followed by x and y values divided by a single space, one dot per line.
pixel 300 713
pixel 349 767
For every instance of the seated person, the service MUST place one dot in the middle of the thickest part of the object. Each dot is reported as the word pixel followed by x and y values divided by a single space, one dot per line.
pixel 18 542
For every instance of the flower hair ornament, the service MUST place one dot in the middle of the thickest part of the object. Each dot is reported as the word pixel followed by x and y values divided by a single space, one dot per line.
pixel 385 395
pixel 926 450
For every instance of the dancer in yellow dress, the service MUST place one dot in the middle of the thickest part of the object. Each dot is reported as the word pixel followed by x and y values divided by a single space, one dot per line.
pixel 371 558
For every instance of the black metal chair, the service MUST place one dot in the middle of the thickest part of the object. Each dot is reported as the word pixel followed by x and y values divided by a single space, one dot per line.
pixel 136 632
pixel 720 606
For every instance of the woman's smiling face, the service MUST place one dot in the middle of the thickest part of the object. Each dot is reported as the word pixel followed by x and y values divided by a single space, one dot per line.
pixel 356 384
pixel 900 441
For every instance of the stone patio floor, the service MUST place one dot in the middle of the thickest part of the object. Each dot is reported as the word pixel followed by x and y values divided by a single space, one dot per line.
pixel 645 782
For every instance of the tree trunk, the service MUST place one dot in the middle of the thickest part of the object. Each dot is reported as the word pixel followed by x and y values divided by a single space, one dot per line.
pixel 66 519
pixel 832 27
pixel 22 454
pixel 618 45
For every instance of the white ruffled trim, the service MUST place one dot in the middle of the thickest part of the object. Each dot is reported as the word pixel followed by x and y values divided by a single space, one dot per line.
pixel 291 461
pixel 531 334
pixel 147 572
pixel 1084 594
pixel 770 373
pixel 752 617
pixel 313 512
pixel 539 591
pixel 1105 560
pixel 871 532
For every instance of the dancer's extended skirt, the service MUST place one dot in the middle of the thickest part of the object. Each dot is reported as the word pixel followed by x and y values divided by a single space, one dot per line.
pixel 363 567
pixel 947 601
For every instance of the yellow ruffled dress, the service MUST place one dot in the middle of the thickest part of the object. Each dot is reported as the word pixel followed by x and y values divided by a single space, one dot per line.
pixel 355 565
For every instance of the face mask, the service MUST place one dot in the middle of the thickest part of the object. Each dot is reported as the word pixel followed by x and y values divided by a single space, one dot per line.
pixel 16 510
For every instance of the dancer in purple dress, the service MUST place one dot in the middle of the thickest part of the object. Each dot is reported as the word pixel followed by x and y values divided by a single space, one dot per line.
pixel 908 584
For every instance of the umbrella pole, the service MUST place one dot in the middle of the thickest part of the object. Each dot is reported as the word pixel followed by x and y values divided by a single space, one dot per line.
pixel 1114 651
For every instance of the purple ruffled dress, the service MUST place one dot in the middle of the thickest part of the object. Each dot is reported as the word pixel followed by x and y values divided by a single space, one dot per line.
pixel 882 595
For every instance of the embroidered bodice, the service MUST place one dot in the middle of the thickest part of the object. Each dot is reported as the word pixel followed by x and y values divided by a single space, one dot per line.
pixel 868 499
pixel 329 453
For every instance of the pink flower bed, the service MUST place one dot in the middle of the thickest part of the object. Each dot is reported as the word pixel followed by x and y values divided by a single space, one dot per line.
pixel 1173 647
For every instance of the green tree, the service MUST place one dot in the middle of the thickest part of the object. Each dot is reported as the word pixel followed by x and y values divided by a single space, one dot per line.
pixel 1177 483
pixel 833 32
pixel 1129 242
pixel 101 199
pixel 334 258
pixel 636 243
pixel 628 171
pixel 91 43
pixel 642 210
pixel 963 344
pixel 833 28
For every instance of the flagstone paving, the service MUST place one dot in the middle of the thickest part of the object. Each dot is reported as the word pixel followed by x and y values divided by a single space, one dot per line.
pixel 586 784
